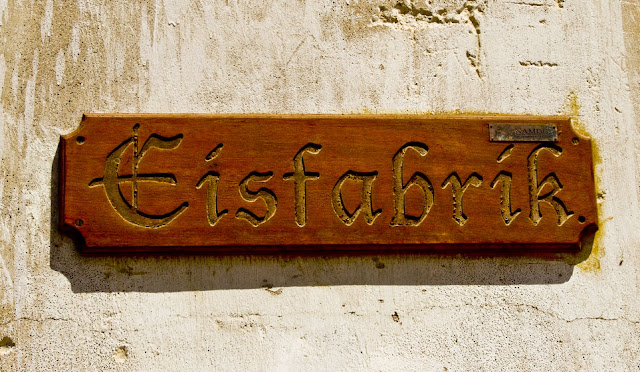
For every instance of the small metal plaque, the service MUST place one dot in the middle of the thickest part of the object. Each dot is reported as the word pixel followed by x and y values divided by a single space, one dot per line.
pixel 509 132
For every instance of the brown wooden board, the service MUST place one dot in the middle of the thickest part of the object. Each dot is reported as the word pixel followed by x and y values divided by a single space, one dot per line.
pixel 323 184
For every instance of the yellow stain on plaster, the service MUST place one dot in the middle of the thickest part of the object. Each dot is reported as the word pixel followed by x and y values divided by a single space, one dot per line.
pixel 592 263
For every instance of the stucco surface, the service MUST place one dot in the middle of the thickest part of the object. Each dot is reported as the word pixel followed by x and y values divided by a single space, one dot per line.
pixel 63 311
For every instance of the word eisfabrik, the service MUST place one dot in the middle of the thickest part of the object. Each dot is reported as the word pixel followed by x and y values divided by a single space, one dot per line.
pixel 299 177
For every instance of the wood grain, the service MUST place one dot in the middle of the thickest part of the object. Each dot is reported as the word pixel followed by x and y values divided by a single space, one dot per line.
pixel 322 184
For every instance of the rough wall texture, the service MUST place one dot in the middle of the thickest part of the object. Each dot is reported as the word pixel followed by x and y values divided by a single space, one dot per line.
pixel 62 311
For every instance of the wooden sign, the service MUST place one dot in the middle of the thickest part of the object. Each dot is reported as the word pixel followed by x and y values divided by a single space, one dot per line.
pixel 321 184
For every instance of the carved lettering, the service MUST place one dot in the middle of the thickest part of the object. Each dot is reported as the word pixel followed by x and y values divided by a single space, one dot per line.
pixel 267 196
pixel 551 180
pixel 300 177
pixel 506 178
pixel 458 191
pixel 505 153
pixel 213 216
pixel 111 180
pixel 401 218
pixel 505 197
pixel 366 202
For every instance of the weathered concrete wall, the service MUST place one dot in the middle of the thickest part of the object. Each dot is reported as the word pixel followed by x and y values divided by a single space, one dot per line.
pixel 61 311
